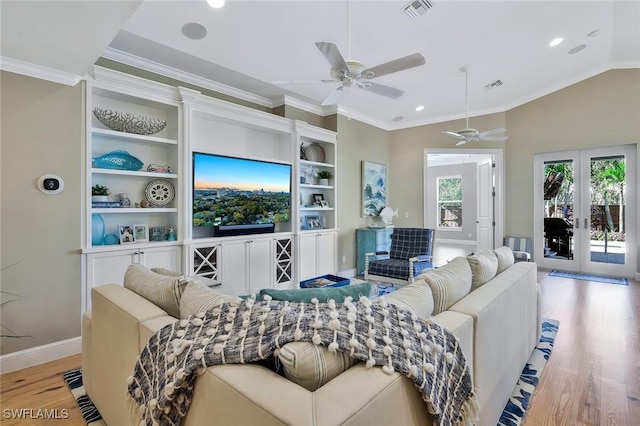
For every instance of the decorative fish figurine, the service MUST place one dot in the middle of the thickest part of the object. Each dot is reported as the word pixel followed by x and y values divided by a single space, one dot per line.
pixel 119 160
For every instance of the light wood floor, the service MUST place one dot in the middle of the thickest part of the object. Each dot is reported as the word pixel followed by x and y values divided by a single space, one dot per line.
pixel 592 377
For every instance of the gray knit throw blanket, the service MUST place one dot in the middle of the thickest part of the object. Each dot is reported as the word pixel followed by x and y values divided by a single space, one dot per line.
pixel 373 331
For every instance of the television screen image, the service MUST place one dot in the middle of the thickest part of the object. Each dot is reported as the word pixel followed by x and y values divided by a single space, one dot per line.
pixel 239 193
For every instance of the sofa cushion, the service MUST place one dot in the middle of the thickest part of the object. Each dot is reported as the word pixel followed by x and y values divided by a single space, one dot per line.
pixel 197 297
pixel 484 265
pixel 448 283
pixel 415 297
pixel 162 290
pixel 505 258
pixel 322 294
pixel 311 366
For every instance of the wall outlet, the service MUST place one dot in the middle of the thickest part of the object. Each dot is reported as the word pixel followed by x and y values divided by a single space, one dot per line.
pixel 406 215
pixel 344 259
pixel 469 233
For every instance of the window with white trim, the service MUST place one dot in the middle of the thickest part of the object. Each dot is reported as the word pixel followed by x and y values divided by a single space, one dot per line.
pixel 449 202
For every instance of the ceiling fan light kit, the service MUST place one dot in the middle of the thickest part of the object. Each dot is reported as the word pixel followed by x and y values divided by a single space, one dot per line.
pixel 469 134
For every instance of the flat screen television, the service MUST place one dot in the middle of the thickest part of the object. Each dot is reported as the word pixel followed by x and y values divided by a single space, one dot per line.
pixel 238 196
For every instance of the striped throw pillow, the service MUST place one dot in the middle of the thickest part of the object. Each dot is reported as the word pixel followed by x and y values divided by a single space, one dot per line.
pixel 311 366
pixel 197 297
pixel 505 258
pixel 448 283
pixel 415 297
pixel 162 290
pixel 484 266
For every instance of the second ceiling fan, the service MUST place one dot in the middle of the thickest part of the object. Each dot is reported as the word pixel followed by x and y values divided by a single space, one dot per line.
pixel 469 134
pixel 351 73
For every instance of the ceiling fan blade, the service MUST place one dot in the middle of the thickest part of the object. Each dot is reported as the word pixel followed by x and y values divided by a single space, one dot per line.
pixel 381 89
pixel 494 138
pixel 334 96
pixel 454 134
pixel 333 55
pixel 493 132
pixel 396 65
pixel 281 82
pixel 463 141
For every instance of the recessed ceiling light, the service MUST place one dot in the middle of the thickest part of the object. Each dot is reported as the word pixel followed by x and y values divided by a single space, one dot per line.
pixel 556 41
pixel 419 107
pixel 194 31
pixel 398 118
pixel 578 48
pixel 216 4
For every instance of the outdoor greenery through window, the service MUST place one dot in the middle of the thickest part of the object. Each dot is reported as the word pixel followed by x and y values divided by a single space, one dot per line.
pixel 450 202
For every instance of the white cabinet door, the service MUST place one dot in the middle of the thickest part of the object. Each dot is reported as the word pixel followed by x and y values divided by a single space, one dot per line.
pixel 260 265
pixel 162 257
pixel 326 253
pixel 307 255
pixel 234 268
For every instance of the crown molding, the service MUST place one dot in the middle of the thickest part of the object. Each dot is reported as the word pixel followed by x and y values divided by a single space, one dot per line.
pixel 299 104
pixel 141 87
pixel 147 65
pixel 351 114
pixel 38 71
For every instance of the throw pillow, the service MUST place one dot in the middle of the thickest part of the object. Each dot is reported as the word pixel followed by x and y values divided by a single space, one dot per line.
pixel 322 294
pixel 311 366
pixel 161 290
pixel 197 297
pixel 505 258
pixel 484 266
pixel 167 272
pixel 204 280
pixel 449 283
pixel 415 297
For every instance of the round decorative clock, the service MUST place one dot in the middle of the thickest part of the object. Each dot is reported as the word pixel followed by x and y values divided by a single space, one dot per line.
pixel 159 192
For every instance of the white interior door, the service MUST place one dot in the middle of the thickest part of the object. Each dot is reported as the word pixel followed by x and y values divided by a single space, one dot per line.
pixel 586 210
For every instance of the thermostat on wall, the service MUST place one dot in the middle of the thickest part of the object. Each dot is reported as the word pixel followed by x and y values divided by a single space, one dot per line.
pixel 51 184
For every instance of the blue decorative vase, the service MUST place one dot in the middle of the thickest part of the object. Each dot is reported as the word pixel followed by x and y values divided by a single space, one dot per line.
pixel 111 239
pixel 97 229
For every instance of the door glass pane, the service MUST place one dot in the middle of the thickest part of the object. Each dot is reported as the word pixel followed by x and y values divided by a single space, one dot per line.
pixel 607 190
pixel 558 209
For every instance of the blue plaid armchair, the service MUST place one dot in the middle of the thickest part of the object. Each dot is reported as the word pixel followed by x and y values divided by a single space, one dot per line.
pixel 411 252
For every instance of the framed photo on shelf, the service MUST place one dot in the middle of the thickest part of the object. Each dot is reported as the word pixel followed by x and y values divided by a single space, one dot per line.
pixel 324 204
pixel 126 234
pixel 313 222
pixel 141 232
pixel 317 198
pixel 157 233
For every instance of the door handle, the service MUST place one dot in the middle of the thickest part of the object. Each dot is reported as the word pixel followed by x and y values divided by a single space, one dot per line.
pixel 576 223
pixel 585 223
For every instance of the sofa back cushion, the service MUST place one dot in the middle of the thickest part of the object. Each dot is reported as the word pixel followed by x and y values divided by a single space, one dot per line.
pixel 448 283
pixel 415 297
pixel 484 266
pixel 162 290
pixel 311 366
pixel 505 258
pixel 197 297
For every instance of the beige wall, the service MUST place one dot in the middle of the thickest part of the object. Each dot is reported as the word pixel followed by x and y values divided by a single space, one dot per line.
pixel 601 111
pixel 406 181
pixel 41 134
pixel 357 142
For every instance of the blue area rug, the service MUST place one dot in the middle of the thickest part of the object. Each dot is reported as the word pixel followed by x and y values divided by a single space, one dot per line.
pixel 516 408
pixel 512 415
pixel 89 411
pixel 589 277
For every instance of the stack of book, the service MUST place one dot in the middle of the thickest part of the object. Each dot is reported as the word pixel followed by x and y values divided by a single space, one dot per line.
pixel 105 204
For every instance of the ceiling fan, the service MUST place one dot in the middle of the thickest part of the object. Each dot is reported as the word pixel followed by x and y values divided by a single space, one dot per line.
pixel 351 73
pixel 468 134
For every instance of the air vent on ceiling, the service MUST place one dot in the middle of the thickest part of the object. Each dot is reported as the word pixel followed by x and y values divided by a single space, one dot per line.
pixel 493 85
pixel 417 8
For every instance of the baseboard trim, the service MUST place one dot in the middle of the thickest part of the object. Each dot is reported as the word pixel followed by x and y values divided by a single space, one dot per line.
pixel 40 354
pixel 348 273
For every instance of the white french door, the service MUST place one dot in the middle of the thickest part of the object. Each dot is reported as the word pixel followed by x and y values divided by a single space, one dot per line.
pixel 586 210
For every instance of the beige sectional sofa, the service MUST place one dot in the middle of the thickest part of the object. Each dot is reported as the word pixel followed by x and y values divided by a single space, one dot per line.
pixel 497 325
